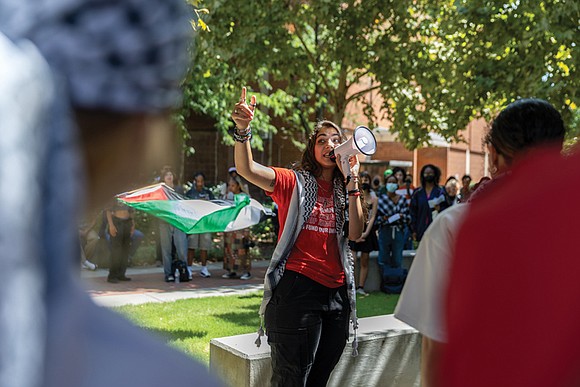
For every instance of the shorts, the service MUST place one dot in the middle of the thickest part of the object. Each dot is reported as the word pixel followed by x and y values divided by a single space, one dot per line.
pixel 371 243
pixel 199 241
pixel 237 244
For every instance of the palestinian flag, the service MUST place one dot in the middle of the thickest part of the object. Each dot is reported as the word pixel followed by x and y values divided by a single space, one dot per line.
pixel 195 216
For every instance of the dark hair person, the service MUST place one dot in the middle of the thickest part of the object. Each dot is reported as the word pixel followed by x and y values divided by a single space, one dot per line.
pixel 400 174
pixel 309 291
pixel 427 200
pixel 519 128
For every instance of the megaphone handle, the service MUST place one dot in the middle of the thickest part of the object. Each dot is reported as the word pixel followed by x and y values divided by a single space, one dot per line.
pixel 345 166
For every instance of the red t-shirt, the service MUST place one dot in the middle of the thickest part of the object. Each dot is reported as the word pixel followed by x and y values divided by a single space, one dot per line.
pixel 315 253
pixel 513 298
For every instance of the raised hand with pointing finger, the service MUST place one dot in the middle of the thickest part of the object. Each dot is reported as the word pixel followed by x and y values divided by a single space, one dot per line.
pixel 242 115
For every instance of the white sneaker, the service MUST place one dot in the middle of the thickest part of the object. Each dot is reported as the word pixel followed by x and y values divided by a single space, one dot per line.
pixel 88 265
pixel 204 272
pixel 362 292
pixel 246 276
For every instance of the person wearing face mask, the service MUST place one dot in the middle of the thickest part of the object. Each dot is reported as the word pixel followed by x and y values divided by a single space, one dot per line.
pixel 427 201
pixel 376 183
pixel 393 215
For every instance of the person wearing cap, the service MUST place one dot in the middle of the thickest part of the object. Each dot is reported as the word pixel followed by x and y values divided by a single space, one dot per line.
pixel 387 173
pixel 118 66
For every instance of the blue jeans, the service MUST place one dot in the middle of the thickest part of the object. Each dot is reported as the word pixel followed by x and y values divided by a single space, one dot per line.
pixel 136 240
pixel 391 243
pixel 407 240
pixel 167 235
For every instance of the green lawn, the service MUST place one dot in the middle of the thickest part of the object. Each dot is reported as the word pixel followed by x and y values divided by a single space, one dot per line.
pixel 190 324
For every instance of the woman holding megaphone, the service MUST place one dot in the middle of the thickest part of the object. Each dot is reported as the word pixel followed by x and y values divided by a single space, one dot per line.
pixel 309 291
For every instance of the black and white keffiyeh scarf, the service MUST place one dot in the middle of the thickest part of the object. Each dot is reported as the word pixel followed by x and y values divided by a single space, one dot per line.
pixel 121 55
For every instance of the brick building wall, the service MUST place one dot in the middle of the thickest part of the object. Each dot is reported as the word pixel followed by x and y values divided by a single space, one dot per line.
pixel 456 163
pixel 392 151
pixel 436 156
pixel 478 167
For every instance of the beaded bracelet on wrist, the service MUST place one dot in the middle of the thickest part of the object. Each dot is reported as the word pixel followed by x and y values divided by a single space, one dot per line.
pixel 242 137
pixel 354 192
pixel 243 132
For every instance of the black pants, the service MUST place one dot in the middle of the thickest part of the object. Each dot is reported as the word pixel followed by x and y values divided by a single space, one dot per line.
pixel 307 326
pixel 120 245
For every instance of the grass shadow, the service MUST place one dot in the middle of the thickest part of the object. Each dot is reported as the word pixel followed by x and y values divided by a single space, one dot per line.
pixel 249 318
pixel 250 296
pixel 179 334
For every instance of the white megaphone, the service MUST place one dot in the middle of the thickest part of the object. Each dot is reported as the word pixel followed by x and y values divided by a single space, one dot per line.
pixel 362 141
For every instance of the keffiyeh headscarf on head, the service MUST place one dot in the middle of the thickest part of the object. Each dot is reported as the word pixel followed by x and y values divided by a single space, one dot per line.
pixel 122 55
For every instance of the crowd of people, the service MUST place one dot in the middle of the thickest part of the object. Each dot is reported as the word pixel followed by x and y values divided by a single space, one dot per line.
pixel 116 228
pixel 398 215
pixel 311 291
pixel 492 288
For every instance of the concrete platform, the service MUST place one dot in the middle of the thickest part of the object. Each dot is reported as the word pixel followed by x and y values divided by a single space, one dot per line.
pixel 389 355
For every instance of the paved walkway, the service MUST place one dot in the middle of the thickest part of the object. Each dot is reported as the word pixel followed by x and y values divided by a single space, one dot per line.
pixel 148 285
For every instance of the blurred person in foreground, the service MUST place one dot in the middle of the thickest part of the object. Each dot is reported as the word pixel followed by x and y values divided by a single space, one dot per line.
pixel 519 128
pixel 522 330
pixel 118 64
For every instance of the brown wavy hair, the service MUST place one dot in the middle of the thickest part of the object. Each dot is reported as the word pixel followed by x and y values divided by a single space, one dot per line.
pixel 308 162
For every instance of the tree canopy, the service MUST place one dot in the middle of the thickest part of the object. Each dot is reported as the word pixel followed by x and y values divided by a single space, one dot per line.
pixel 436 64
